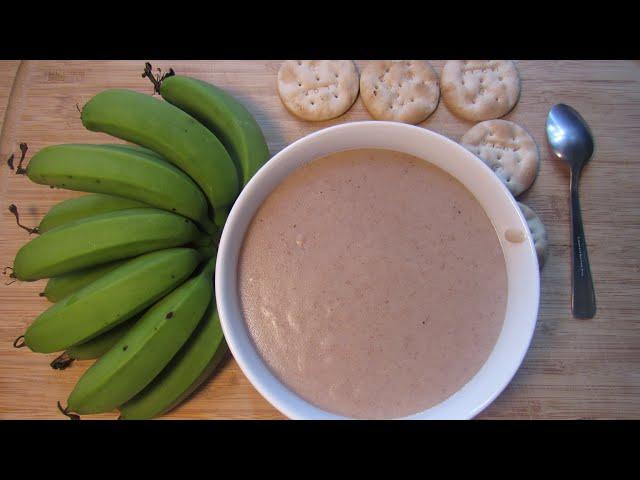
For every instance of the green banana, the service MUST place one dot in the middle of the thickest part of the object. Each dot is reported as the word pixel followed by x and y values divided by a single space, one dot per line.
pixel 59 287
pixel 102 239
pixel 225 116
pixel 100 345
pixel 112 299
pixel 84 206
pixel 130 147
pixel 95 347
pixel 141 354
pixel 122 172
pixel 170 132
pixel 191 366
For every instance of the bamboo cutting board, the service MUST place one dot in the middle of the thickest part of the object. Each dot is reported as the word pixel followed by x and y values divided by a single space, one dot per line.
pixel 574 368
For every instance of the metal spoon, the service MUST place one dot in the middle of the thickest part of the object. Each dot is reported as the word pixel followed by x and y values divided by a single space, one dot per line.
pixel 571 140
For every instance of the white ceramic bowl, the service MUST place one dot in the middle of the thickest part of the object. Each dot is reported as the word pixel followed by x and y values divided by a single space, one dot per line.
pixel 521 261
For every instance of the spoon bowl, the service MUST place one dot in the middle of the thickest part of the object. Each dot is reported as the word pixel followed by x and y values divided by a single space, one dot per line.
pixel 569 136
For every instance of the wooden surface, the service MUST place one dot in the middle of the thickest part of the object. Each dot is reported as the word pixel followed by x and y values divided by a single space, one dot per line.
pixel 574 368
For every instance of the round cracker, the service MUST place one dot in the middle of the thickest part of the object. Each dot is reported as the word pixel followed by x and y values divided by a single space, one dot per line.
pixel 478 90
pixel 318 89
pixel 402 91
pixel 508 150
pixel 538 232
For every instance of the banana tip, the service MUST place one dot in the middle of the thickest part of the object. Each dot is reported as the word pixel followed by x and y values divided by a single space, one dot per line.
pixel 65 412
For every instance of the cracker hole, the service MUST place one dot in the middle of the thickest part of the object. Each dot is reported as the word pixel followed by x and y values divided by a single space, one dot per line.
pixel 335 96
pixel 312 103
pixel 299 62
pixel 299 84
pixel 337 75
pixel 317 78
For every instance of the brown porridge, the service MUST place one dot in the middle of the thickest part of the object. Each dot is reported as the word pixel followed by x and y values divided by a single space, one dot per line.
pixel 373 283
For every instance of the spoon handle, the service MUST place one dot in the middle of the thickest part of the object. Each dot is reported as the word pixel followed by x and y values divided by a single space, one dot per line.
pixel 583 299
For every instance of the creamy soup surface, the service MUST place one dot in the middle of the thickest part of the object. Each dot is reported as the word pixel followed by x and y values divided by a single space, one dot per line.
pixel 372 283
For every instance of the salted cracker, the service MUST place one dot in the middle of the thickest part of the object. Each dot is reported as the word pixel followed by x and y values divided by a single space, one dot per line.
pixel 402 91
pixel 508 150
pixel 538 232
pixel 478 90
pixel 318 89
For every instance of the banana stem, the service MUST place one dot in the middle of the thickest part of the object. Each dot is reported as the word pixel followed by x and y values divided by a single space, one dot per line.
pixel 11 275
pixel 202 241
pixel 208 251
pixel 220 216
pixel 208 226
pixel 209 268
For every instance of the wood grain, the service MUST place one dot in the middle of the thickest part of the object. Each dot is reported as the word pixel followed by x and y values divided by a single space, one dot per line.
pixel 574 368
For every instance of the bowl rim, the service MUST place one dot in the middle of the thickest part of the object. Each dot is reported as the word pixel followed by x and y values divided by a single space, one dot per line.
pixel 273 390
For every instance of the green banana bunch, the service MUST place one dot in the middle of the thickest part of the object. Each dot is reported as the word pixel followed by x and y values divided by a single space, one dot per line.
pixel 191 366
pixel 122 172
pixel 102 239
pixel 110 300
pixel 225 116
pixel 170 132
pixel 82 207
pixel 96 347
pixel 59 287
pixel 143 352
pixel 117 262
